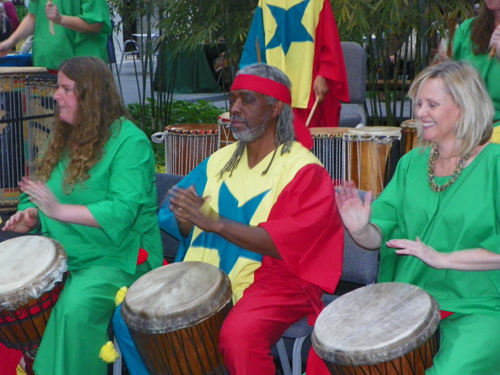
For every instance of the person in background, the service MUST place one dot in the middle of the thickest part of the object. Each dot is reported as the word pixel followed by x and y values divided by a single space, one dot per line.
pixel 5 25
pixel 438 219
pixel 80 28
pixel 477 40
pixel 264 198
pixel 94 192
pixel 303 41
pixel 10 10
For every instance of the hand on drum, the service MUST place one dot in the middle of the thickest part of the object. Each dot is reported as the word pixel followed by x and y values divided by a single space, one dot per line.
pixel 420 250
pixel 41 195
pixel 23 221
pixel 189 207
pixel 354 212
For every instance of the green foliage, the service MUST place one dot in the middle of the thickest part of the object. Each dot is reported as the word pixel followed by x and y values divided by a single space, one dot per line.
pixel 182 112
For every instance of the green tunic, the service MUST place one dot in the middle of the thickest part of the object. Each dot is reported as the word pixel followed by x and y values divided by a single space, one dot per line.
pixel 121 195
pixel 50 51
pixel 465 216
pixel 489 68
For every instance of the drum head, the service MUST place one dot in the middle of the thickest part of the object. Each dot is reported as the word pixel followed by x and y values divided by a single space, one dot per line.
pixel 328 132
pixel 409 124
pixel 194 129
pixel 224 119
pixel 29 265
pixel 375 131
pixel 176 296
pixel 375 324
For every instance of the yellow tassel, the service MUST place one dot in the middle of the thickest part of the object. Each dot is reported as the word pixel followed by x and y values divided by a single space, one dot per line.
pixel 120 295
pixel 108 353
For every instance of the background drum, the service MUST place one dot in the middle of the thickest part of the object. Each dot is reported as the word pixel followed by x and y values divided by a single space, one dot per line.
pixel 367 151
pixel 187 145
pixel 32 275
pixel 383 329
pixel 225 134
pixel 409 138
pixel 175 313
pixel 330 148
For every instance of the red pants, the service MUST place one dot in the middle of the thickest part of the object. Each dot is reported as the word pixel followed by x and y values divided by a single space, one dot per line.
pixel 9 359
pixel 268 307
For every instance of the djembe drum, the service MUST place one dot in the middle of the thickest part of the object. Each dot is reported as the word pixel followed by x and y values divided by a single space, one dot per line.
pixel 187 145
pixel 409 138
pixel 175 313
pixel 382 329
pixel 225 133
pixel 330 148
pixel 367 151
pixel 32 275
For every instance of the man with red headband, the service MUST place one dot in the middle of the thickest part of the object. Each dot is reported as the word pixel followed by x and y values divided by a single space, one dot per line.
pixel 267 199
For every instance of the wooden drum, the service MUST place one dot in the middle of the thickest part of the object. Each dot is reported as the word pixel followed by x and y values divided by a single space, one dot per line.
pixel 367 151
pixel 330 148
pixel 187 145
pixel 175 313
pixel 32 275
pixel 409 139
pixel 383 329
pixel 225 133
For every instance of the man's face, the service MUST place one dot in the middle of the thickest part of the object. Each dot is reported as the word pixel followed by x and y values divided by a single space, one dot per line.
pixel 250 114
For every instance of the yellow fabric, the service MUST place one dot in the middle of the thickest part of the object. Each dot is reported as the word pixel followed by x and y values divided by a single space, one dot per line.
pixel 298 69
pixel 283 170
pixel 20 371
pixel 495 137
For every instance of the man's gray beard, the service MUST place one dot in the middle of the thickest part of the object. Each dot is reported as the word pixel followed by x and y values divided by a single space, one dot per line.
pixel 248 134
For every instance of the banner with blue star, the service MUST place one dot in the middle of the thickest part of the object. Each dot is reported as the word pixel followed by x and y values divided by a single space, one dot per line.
pixel 285 31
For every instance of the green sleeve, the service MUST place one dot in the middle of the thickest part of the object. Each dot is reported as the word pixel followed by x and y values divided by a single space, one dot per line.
pixel 128 186
pixel 96 11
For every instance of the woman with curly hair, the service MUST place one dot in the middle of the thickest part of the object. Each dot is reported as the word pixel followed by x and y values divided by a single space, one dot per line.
pixel 94 192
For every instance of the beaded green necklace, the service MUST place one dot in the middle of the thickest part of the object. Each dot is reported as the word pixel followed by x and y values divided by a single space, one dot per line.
pixel 456 173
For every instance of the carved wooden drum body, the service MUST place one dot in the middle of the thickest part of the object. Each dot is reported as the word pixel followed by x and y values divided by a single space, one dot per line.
pixel 409 139
pixel 175 313
pixel 367 149
pixel 386 329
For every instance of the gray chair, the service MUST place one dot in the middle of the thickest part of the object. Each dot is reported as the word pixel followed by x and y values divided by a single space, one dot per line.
pixel 353 113
pixel 164 181
pixel 360 267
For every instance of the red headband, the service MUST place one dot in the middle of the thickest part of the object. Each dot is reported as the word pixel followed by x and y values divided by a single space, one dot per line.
pixel 263 85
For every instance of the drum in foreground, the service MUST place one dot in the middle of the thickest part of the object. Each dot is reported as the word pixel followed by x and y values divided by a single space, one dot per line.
pixel 383 329
pixel 32 275
pixel 409 138
pixel 175 313
pixel 330 148
pixel 367 149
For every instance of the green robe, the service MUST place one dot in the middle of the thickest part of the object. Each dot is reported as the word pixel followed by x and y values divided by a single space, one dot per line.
pixel 121 195
pixel 464 216
pixel 50 51
pixel 489 68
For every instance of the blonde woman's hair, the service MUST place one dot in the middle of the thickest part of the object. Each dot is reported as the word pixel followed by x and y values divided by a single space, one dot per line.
pixel 467 90
pixel 99 105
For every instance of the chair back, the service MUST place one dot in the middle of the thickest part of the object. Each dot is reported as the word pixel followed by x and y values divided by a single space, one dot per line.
pixel 355 63
pixel 164 181
pixel 360 266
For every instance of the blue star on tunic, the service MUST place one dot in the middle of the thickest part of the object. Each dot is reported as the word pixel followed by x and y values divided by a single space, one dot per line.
pixel 228 207
pixel 290 28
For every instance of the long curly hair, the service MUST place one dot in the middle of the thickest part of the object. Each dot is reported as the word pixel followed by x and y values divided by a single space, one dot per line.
pixel 98 106
pixel 482 28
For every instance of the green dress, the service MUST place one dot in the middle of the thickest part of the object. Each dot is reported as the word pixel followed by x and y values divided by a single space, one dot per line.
pixel 489 68
pixel 121 195
pixel 464 216
pixel 50 51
